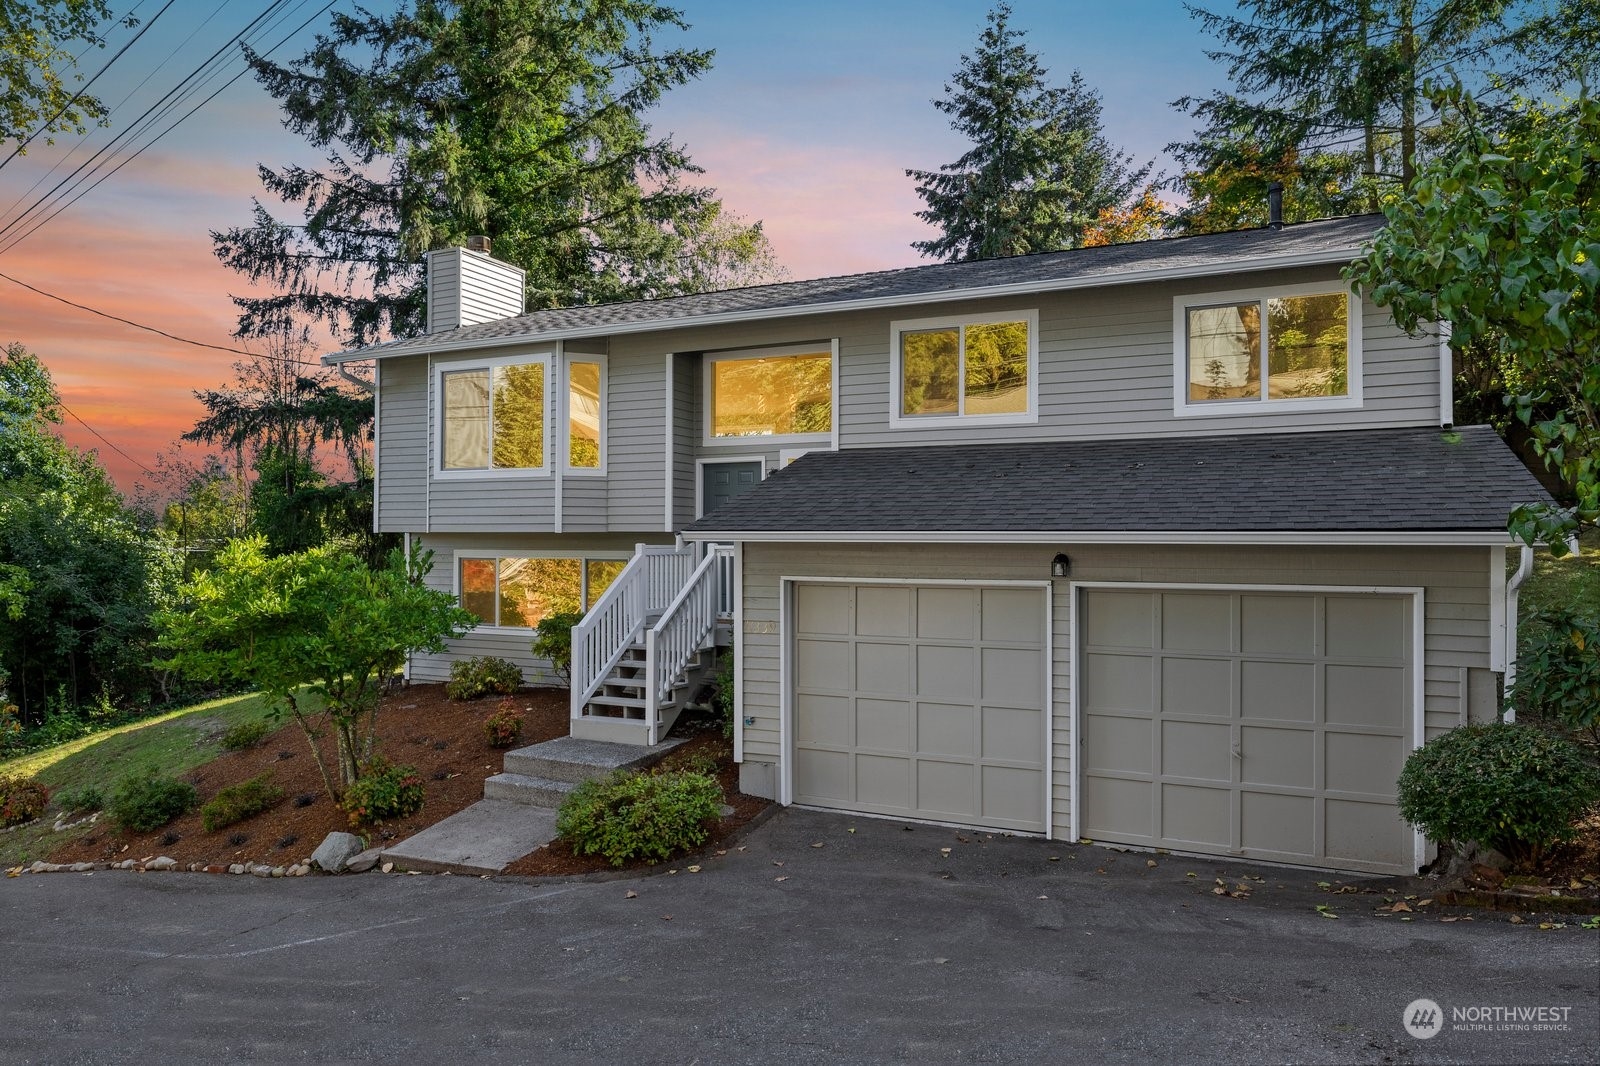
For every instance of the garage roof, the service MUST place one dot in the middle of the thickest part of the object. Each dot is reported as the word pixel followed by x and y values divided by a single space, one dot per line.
pixel 1391 483
pixel 1337 240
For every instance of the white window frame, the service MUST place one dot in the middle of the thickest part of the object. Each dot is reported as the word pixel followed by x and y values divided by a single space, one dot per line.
pixel 551 406
pixel 814 439
pixel 567 359
pixel 584 559
pixel 1183 407
pixel 899 420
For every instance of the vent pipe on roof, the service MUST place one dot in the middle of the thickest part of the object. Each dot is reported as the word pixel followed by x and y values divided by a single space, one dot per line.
pixel 1275 205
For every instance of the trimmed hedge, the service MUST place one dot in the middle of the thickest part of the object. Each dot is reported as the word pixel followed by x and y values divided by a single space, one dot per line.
pixel 238 802
pixel 640 816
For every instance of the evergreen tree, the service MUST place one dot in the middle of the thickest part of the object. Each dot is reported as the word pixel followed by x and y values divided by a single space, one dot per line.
pixel 1328 97
pixel 518 119
pixel 1040 171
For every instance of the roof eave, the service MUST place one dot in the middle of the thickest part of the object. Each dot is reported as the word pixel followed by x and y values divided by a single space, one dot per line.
pixel 1321 257
pixel 1359 537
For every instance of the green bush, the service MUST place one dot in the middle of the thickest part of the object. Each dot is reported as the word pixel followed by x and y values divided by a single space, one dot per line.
pixel 1558 672
pixel 639 816
pixel 481 675
pixel 503 728
pixel 244 735
pixel 553 641
pixel 1511 787
pixel 22 799
pixel 238 802
pixel 722 693
pixel 87 798
pixel 384 791
pixel 150 801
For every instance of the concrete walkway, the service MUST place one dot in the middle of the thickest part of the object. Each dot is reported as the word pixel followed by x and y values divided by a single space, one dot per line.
pixel 483 839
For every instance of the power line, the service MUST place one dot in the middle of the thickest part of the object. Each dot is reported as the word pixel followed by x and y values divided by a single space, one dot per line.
pixel 106 440
pixel 23 144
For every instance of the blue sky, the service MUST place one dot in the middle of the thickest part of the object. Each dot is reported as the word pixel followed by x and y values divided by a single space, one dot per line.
pixel 807 121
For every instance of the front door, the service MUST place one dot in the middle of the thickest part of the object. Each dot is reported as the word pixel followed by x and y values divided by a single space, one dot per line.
pixel 721 482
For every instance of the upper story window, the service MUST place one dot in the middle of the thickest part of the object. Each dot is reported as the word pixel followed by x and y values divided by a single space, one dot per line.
pixel 492 415
pixel 1291 348
pixel 965 369
pixel 585 414
pixel 776 394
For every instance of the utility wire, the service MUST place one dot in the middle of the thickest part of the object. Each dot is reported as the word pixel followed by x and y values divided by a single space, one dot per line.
pixel 104 438
pixel 159 106
pixel 23 144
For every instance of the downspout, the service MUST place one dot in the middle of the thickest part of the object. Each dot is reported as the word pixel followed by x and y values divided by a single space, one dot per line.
pixel 1524 569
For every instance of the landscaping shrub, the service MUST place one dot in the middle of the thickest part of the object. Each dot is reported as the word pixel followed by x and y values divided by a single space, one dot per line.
pixel 383 791
pixel 722 693
pixel 87 798
pixel 481 675
pixel 238 802
pixel 639 816
pixel 503 728
pixel 10 726
pixel 553 641
pixel 150 801
pixel 1511 787
pixel 22 799
pixel 244 735
pixel 1558 672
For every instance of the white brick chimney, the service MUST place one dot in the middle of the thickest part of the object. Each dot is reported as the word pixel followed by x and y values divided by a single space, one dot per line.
pixel 468 285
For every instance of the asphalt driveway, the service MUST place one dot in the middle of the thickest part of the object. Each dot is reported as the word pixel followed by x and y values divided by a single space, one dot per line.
pixel 877 946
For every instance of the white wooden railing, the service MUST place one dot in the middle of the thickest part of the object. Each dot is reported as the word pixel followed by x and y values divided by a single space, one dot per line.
pixel 646 587
pixel 681 632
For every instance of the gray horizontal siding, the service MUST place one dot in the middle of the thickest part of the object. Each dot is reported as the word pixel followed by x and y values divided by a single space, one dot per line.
pixel 636 435
pixel 402 449
pixel 1455 607
pixel 585 502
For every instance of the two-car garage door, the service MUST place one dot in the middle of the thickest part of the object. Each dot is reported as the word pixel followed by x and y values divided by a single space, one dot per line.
pixel 1268 724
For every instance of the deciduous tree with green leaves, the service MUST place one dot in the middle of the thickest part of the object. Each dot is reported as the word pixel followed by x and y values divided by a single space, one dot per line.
pixel 320 619
pixel 1040 171
pixel 36 93
pixel 1502 242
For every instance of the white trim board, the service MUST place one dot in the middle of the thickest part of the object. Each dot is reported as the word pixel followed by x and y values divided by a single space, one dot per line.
pixel 1417 664
pixel 1067 538
pixel 1324 257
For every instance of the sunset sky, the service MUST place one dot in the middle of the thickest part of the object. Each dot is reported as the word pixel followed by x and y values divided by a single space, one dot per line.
pixel 807 121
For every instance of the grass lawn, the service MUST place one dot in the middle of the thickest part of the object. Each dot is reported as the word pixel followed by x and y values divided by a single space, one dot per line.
pixel 171 743
pixel 1572 582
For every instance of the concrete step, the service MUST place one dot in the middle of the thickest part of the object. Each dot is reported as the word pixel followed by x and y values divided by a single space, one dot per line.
pixel 527 789
pixel 483 839
pixel 570 760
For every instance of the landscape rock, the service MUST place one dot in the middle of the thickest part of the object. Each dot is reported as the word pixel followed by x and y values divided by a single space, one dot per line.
pixel 360 864
pixel 162 862
pixel 261 870
pixel 238 868
pixel 277 871
pixel 82 867
pixel 336 851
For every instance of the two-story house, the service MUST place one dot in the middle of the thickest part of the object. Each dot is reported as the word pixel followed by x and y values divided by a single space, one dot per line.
pixel 1169 544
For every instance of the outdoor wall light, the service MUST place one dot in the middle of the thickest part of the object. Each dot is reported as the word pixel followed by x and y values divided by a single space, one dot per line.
pixel 1060 566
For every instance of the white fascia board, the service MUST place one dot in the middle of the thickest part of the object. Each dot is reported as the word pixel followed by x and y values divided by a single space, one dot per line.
pixel 1324 257
pixel 1373 538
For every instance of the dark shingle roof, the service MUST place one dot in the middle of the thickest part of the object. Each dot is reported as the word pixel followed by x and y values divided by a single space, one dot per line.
pixel 1388 480
pixel 1327 240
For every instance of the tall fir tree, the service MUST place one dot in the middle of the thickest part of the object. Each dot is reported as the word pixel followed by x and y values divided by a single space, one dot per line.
pixel 1040 171
pixel 519 119
pixel 1328 97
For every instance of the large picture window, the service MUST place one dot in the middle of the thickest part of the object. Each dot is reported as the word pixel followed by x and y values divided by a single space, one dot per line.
pixel 967 368
pixel 492 417
pixel 1297 348
pixel 777 393
pixel 520 591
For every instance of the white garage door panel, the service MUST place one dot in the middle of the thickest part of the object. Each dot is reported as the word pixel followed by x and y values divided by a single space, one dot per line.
pixel 922 701
pixel 1270 725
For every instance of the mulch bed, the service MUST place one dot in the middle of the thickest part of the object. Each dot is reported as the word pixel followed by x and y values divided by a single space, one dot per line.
pixel 417 726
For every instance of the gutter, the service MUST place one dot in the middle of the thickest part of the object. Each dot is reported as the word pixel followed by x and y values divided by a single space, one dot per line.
pixel 1524 569
pixel 1366 538
pixel 1323 257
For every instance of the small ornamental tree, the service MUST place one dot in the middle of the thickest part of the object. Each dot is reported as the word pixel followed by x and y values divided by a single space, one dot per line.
pixel 1501 240
pixel 317 619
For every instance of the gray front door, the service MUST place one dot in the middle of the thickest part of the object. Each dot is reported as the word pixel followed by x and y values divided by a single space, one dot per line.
pixel 1264 724
pixel 922 701
pixel 721 482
